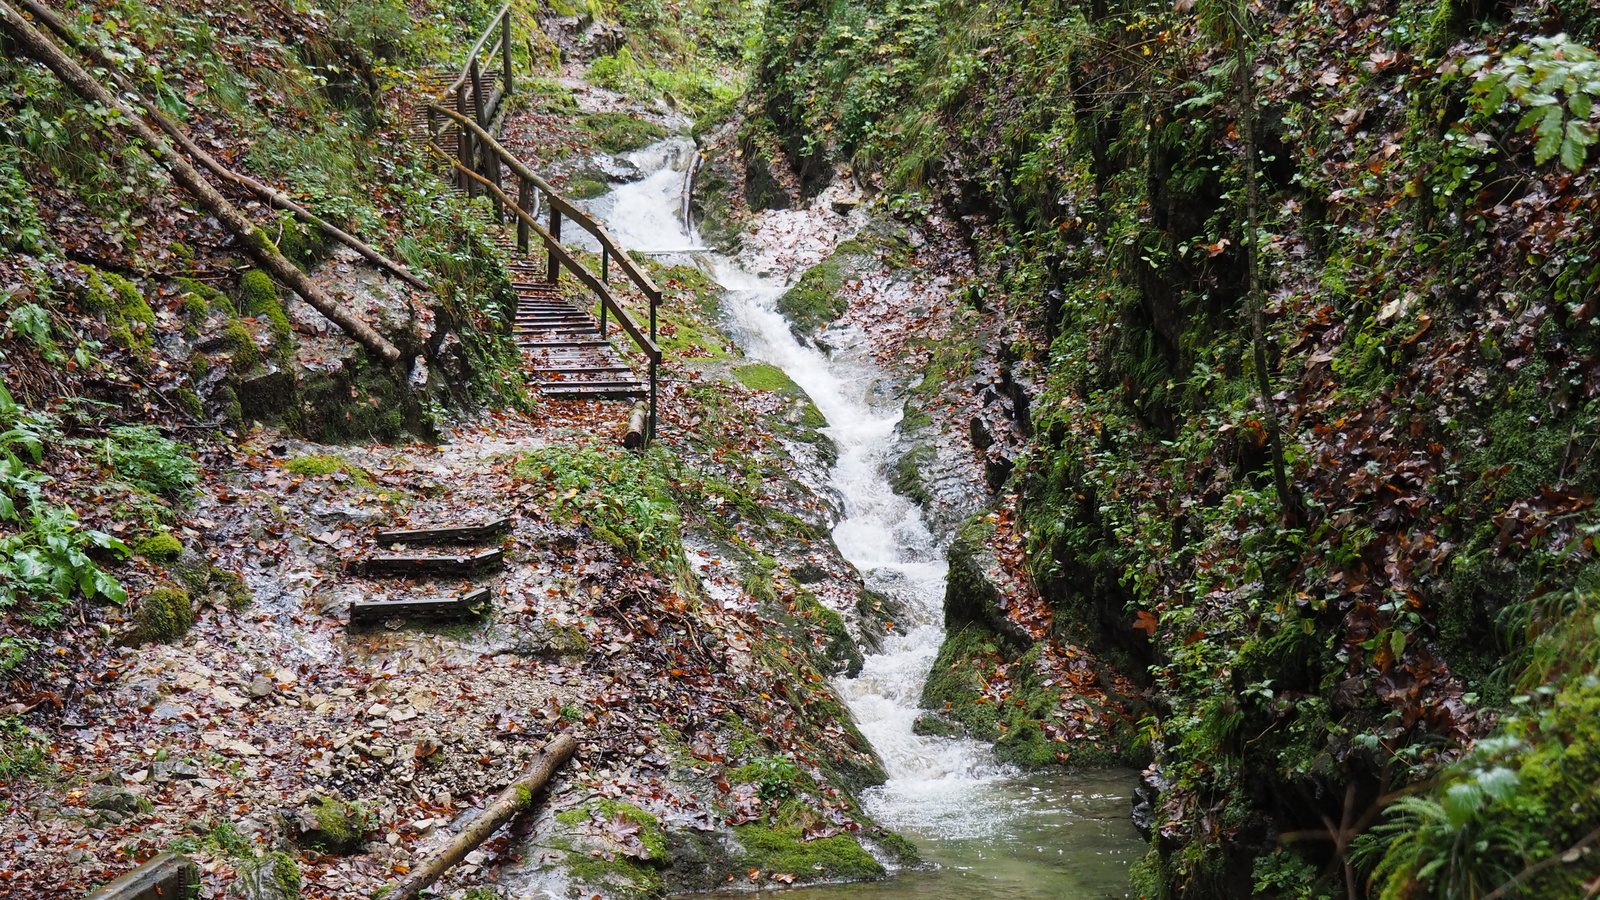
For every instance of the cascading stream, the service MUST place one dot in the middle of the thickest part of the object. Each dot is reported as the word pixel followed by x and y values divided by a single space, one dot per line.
pixel 991 831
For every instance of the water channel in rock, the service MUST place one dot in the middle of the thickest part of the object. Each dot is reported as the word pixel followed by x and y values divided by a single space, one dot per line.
pixel 986 829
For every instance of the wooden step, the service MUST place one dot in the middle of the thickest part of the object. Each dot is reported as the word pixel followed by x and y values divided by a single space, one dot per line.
pixel 441 566
pixel 470 604
pixel 446 534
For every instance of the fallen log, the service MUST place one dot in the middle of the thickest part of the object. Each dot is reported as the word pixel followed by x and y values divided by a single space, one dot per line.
pixel 634 438
pixel 96 55
pixel 165 876
pixel 514 799
pixel 39 46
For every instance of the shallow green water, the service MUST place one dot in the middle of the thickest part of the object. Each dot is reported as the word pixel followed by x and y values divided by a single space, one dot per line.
pixel 1054 837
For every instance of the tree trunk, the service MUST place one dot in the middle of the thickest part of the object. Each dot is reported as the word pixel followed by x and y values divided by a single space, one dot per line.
pixel 514 799
pixel 256 243
pixel 1245 65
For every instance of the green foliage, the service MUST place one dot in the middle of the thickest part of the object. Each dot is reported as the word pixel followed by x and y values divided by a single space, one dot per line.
pixel 22 751
pixel 777 777
pixel 624 498
pixel 1556 81
pixel 21 231
pixel 141 456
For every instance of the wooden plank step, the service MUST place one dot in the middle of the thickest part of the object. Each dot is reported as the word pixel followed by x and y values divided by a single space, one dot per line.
pixel 428 565
pixel 430 608
pixel 594 394
pixel 595 343
pixel 584 369
pixel 446 534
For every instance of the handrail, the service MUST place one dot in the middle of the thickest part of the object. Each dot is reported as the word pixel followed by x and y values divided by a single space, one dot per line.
pixel 651 350
pixel 500 18
pixel 608 244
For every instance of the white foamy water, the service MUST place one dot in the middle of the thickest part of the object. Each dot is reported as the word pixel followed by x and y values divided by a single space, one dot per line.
pixel 936 784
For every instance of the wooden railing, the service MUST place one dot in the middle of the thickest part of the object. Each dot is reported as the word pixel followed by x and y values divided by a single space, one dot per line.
pixel 530 188
pixel 468 97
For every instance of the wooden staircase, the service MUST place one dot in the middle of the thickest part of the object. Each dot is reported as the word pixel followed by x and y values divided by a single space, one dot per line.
pixel 566 350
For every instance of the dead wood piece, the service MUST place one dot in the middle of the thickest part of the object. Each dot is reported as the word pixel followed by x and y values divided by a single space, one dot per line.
pixel 637 420
pixel 431 608
pixel 266 192
pixel 446 534
pixel 164 877
pixel 37 45
pixel 514 799
pixel 429 565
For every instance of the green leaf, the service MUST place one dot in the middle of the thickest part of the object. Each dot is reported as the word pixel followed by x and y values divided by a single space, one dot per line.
pixel 1549 133
pixel 1397 643
pixel 1579 104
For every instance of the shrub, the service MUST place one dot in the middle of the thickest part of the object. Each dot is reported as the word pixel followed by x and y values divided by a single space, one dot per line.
pixel 139 455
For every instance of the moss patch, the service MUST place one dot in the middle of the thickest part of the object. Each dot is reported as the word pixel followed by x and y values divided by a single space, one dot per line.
pixel 332 824
pixel 163 615
pixel 258 296
pixel 780 851
pixel 161 546
pixel 619 132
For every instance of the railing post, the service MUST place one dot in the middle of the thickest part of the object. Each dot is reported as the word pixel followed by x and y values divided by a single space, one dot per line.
pixel 505 52
pixel 652 318
pixel 605 278
pixel 464 145
pixel 523 190
pixel 652 436
pixel 555 235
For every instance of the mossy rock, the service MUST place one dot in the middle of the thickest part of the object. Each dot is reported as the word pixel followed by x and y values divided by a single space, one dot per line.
pixel 587 188
pixel 213 298
pixel 195 307
pixel 164 614
pixel 619 132
pixel 271 877
pixel 332 825
pixel 241 348
pixel 193 570
pixel 161 547
pixel 599 860
pixel 906 478
pixel 816 299
pixel 781 851
pixel 126 313
pixel 232 586
pixel 305 245
pixel 359 402
pixel 258 296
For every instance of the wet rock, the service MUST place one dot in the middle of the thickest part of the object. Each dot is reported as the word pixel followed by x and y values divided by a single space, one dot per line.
pixel 271 877
pixel 982 439
pixel 931 725
pixel 114 799
pixel 583 38
pixel 267 394
pixel 974 590
pixel 1146 797
pixel 997 467
pixel 331 824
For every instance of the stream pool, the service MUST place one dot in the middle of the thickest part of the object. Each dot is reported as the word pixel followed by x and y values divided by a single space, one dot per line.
pixel 986 830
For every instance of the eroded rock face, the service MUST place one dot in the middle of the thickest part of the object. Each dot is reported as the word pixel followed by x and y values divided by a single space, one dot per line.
pixel 582 38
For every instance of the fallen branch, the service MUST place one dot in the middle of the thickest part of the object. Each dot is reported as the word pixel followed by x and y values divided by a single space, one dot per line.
pixel 40 47
pixel 514 799
pixel 95 54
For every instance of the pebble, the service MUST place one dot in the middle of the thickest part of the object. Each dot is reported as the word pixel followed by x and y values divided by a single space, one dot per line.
pixel 261 686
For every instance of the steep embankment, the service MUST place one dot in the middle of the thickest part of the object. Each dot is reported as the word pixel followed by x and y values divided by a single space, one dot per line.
pixel 1428 329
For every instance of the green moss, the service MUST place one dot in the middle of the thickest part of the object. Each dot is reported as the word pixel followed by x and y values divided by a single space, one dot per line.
pixel 258 296
pixel 213 298
pixel 305 245
pixel 327 464
pixel 190 401
pixel 586 188
pixel 815 300
pixel 273 875
pixel 164 615
pixel 550 96
pixel 162 547
pixel 620 132
pixel 232 586
pixel 905 477
pixel 838 858
pixel 764 377
pixel 22 751
pixel 241 347
pixel 333 824
pixel 195 307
